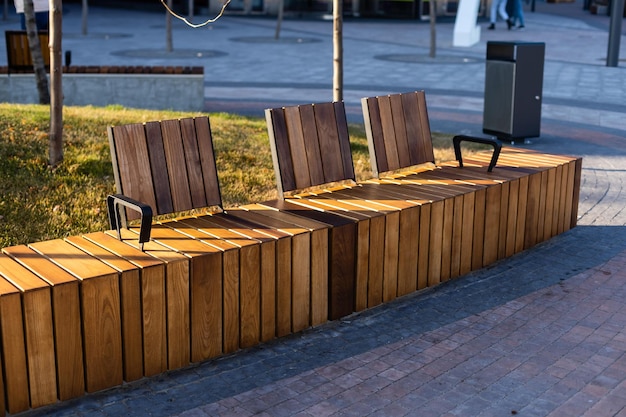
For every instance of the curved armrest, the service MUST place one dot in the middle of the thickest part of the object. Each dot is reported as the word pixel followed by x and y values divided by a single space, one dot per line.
pixel 497 146
pixel 117 217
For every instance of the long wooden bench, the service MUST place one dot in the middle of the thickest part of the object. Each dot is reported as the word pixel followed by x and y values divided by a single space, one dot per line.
pixel 85 313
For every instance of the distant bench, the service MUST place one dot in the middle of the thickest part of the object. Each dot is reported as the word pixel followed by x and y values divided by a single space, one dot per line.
pixel 18 52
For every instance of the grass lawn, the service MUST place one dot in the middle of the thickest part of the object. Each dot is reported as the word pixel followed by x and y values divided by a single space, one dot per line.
pixel 40 203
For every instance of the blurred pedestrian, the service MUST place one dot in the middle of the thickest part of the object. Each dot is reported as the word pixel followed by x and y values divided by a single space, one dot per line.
pixel 41 13
pixel 498 7
pixel 518 14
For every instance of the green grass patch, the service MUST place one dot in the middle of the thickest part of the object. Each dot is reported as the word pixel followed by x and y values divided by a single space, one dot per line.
pixel 38 203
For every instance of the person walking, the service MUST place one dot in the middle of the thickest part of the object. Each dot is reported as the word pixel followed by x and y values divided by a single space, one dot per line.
pixel 518 14
pixel 498 7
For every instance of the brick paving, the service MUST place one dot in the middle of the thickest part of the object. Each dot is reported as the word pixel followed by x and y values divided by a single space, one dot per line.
pixel 558 351
pixel 539 334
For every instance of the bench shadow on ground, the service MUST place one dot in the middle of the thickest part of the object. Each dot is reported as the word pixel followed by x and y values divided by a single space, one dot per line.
pixel 549 263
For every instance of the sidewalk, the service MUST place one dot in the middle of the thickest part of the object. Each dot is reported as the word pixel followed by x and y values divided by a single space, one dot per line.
pixel 540 334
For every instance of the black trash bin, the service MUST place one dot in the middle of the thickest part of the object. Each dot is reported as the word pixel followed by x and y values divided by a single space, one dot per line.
pixel 513 89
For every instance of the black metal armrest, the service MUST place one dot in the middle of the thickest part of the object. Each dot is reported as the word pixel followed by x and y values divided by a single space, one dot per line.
pixel 117 217
pixel 497 146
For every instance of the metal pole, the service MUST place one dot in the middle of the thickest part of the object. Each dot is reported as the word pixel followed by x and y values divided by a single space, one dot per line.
pixel 615 32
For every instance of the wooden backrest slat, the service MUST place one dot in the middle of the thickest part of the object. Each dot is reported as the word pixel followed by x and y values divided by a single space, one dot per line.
pixel 410 108
pixel 398 131
pixel 192 161
pixel 388 131
pixel 375 143
pixel 297 146
pixel 310 145
pixel 207 159
pixel 329 142
pixel 169 165
pixel 279 146
pixel 310 138
pixel 344 141
pixel 158 169
pixel 399 123
pixel 176 166
pixel 424 126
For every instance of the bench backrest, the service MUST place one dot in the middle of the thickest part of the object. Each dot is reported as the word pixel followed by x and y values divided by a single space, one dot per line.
pixel 398 131
pixel 19 58
pixel 310 145
pixel 169 165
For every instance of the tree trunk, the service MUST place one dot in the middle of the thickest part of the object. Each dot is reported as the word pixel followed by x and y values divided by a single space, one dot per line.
pixel 169 44
pixel 35 51
pixel 279 19
pixel 433 32
pixel 337 50
pixel 84 16
pixel 56 70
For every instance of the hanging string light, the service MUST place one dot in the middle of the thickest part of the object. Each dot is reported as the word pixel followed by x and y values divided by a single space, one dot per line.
pixel 195 25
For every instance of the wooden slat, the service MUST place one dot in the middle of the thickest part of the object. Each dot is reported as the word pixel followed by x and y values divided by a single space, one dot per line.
pixel 176 165
pixel 532 210
pixel 344 141
pixel 493 204
pixel 15 370
pixel 503 229
pixel 373 130
pixel 388 132
pixel 193 163
pixel 283 167
pixel 159 169
pixel 424 127
pixel 38 328
pixel 309 171
pixel 66 319
pixel 399 124
pixel 101 312
pixel 207 160
pixel 578 165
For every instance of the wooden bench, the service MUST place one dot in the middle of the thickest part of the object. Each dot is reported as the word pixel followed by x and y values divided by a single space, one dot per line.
pixel 86 313
pixel 19 58
pixel 522 200
pixel 170 165
pixel 424 224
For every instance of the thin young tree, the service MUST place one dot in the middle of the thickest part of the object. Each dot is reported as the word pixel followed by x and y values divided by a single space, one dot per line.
pixel 279 18
pixel 55 151
pixel 433 31
pixel 169 43
pixel 85 13
pixel 39 66
pixel 337 50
